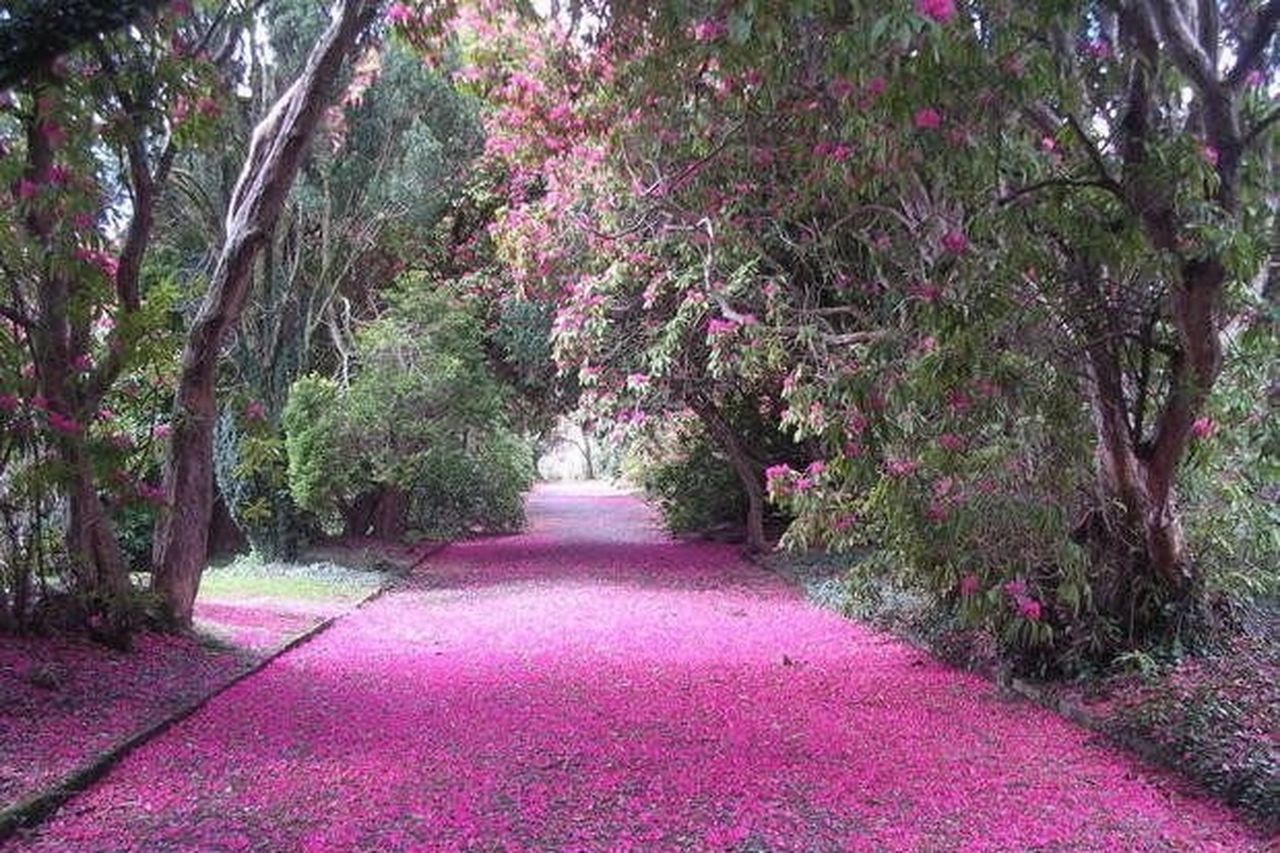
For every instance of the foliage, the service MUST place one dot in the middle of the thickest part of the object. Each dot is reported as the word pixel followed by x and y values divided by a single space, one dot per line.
pixel 694 486
pixel 983 275
pixel 424 416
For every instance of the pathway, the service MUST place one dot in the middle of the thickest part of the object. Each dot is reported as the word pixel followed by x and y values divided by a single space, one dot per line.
pixel 591 685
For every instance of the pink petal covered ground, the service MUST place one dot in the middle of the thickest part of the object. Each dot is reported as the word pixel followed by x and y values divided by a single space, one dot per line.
pixel 591 685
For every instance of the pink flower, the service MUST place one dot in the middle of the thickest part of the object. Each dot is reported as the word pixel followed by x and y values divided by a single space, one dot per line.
pixel 638 381
pixel 937 512
pixel 1049 144
pixel 970 585
pixel 62 423
pixel 709 30
pixel 161 431
pixel 1210 155
pixel 841 89
pixel 717 326
pixel 816 468
pixel 399 14
pixel 941 11
pixel 803 484
pixel 1029 608
pixel 9 403
pixel 955 242
pixel 82 363
pixel 781 471
pixel 951 441
pixel 256 410
pixel 900 467
pixel 180 8
pixel 928 119
pixel 27 189
pixel 1203 427
pixel 1098 48
pixel 105 415
pixel 1017 588
pixel 1255 78
pixel 876 87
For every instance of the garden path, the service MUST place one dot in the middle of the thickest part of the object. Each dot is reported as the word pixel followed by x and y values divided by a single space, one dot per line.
pixel 592 685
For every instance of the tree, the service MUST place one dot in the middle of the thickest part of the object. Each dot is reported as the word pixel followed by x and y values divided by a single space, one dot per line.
pixel 76 306
pixel 276 151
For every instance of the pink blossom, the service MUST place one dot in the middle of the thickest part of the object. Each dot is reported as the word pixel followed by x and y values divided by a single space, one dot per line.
pixel 637 381
pixel 1210 155
pixel 950 441
pixel 180 8
pixel 1098 48
pixel 941 11
pixel 1048 143
pixel 1203 427
pixel 1255 78
pixel 400 14
pixel 27 189
pixel 717 327
pixel 816 468
pixel 928 118
pixel 955 242
pixel 781 471
pixel 970 585
pixel 936 512
pixel 256 410
pixel 803 484
pixel 1017 588
pixel 841 88
pixel 82 363
pixel 900 467
pixel 62 423
pixel 9 403
pixel 161 431
pixel 1029 608
pixel 708 30
pixel 876 87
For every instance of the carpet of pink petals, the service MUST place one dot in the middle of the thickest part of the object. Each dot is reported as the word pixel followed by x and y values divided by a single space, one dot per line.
pixel 65 700
pixel 591 685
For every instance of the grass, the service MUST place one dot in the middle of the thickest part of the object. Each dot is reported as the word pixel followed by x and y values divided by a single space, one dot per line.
pixel 248 578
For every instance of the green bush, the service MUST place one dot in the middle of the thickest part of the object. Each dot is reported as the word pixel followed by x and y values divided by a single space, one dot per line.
pixel 424 418
pixel 694 486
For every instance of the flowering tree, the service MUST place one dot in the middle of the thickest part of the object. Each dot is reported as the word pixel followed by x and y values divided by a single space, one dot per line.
pixel 944 242
pixel 94 138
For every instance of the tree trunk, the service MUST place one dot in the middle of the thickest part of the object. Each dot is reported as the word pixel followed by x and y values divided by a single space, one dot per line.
pixel 98 563
pixel 750 474
pixel 389 514
pixel 275 153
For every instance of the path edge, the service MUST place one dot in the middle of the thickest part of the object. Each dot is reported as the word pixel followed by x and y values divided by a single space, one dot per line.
pixel 38 808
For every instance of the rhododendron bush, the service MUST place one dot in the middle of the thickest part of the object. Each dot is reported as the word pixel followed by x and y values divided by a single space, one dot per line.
pixel 86 145
pixel 985 276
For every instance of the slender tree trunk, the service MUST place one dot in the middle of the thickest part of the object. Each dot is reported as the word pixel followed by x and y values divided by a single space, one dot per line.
pixel 279 143
pixel 750 474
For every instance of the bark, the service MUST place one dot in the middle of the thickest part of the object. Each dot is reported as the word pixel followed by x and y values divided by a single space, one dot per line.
pixel 278 146
pixel 57 338
pixel 389 514
pixel 749 471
